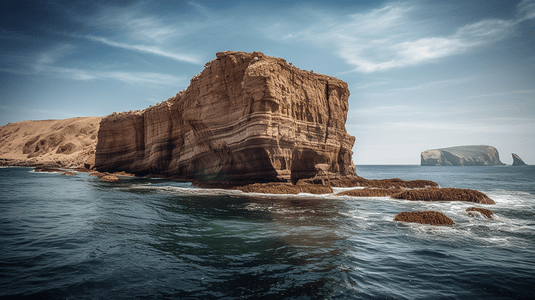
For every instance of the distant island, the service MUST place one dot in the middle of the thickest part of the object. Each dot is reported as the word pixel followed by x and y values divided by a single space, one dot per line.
pixel 480 155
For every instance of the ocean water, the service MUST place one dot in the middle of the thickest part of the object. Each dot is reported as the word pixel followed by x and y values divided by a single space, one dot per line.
pixel 75 237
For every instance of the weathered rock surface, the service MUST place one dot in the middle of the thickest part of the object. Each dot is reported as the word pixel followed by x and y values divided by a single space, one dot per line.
pixel 370 192
pixel 424 217
pixel 286 188
pixel 444 194
pixel 517 161
pixel 54 143
pixel 109 178
pixel 481 155
pixel 486 212
pixel 245 117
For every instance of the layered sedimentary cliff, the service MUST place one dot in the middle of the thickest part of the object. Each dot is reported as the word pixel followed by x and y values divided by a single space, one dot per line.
pixel 63 143
pixel 461 156
pixel 246 116
pixel 517 161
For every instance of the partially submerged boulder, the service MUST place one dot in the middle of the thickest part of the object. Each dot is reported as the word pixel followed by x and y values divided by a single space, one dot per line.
pixel 109 178
pixel 486 212
pixel 444 194
pixel 424 217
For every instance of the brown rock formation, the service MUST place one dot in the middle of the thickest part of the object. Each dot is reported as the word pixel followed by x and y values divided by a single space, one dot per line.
pixel 56 143
pixel 444 194
pixel 245 117
pixel 285 188
pixel 382 183
pixel 486 212
pixel 424 217
pixel 109 178
pixel 370 192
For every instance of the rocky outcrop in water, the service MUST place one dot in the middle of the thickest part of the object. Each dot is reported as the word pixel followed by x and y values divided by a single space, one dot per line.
pixel 424 217
pixel 444 194
pixel 462 156
pixel 485 212
pixel 245 117
pixel 517 161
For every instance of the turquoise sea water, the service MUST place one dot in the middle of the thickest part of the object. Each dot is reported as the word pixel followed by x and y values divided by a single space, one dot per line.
pixel 75 237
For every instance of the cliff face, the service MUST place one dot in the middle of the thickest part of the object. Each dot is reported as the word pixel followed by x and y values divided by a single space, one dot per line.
pixel 64 143
pixel 246 116
pixel 461 156
pixel 517 161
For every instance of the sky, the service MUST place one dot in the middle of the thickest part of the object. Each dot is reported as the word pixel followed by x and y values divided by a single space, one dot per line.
pixel 422 74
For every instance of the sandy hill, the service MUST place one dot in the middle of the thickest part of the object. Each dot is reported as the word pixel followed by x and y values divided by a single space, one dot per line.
pixel 65 143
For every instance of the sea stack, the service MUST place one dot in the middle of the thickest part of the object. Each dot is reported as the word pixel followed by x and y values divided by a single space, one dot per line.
pixel 245 117
pixel 480 155
pixel 517 161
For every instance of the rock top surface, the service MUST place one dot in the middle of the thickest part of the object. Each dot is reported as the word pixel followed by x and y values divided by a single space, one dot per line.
pixel 424 217
pixel 245 117
pixel 481 155
pixel 517 161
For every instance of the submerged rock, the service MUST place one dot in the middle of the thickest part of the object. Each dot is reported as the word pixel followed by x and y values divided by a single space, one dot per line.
pixel 462 156
pixel 517 161
pixel 245 117
pixel 444 194
pixel 424 217
pixel 486 212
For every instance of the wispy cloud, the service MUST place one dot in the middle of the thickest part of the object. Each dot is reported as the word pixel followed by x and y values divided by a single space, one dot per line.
pixel 388 37
pixel 133 28
pixel 156 50
pixel 47 63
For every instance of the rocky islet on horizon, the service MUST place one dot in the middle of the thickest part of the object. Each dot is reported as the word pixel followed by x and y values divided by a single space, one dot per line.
pixel 477 155
pixel 517 161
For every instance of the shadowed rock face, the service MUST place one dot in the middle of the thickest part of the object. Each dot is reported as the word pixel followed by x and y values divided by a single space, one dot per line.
pixel 246 116
pixel 462 156
pixel 517 161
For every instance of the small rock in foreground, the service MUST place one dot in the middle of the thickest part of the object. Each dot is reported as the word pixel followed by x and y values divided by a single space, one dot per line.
pixel 109 178
pixel 424 217
pixel 486 212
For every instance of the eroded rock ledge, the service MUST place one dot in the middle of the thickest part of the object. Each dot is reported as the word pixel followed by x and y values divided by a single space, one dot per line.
pixel 245 117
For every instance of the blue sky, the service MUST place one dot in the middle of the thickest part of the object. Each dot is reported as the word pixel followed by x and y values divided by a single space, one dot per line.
pixel 422 74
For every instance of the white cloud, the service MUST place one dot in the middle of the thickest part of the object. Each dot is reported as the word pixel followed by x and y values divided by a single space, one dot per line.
pixel 156 50
pixel 134 28
pixel 46 63
pixel 526 10
pixel 389 37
